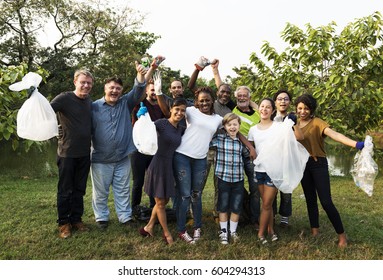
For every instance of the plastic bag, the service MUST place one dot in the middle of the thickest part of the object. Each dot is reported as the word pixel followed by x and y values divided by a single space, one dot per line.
pixel 36 119
pixel 145 135
pixel 365 169
pixel 284 158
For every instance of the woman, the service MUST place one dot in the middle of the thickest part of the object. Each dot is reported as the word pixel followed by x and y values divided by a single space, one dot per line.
pixel 316 179
pixel 190 164
pixel 159 182
pixel 261 135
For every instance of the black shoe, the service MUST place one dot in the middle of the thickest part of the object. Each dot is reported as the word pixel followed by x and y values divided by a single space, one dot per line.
pixel 102 224
pixel 131 222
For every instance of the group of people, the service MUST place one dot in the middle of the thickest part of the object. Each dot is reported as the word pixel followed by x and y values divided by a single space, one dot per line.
pixel 228 137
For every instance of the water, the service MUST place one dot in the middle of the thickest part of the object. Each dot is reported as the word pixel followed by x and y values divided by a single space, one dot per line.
pixel 34 163
pixel 43 163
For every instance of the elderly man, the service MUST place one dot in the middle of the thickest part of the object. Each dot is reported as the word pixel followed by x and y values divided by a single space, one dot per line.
pixel 112 146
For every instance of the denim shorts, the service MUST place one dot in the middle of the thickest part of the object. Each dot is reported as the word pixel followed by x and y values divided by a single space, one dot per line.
pixel 230 196
pixel 263 179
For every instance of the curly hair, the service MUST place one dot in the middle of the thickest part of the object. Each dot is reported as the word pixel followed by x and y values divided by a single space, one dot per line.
pixel 308 100
pixel 206 90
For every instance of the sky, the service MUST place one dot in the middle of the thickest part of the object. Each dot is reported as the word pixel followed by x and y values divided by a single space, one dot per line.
pixel 232 30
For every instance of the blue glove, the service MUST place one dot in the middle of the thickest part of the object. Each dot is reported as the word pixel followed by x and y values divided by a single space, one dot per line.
pixel 292 117
pixel 142 111
pixel 359 145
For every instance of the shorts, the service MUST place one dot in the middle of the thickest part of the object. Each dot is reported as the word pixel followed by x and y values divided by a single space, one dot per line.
pixel 261 178
pixel 230 196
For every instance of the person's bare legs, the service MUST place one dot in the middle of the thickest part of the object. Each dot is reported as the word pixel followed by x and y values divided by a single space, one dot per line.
pixel 161 216
pixel 342 243
pixel 266 218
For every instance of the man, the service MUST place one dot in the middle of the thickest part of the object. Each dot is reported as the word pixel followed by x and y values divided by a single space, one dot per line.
pixel 249 117
pixel 283 100
pixel 140 162
pixel 73 109
pixel 112 144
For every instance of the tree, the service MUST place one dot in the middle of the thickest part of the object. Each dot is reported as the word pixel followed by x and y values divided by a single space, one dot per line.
pixel 82 34
pixel 344 72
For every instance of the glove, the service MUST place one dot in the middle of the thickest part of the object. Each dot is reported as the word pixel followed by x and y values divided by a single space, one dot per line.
pixel 292 117
pixel 30 91
pixel 142 111
pixel 202 63
pixel 359 145
pixel 157 83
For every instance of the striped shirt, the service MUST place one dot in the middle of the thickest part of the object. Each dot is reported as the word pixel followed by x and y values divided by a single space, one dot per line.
pixel 229 163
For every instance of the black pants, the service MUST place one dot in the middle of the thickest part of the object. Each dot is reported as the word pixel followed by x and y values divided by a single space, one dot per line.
pixel 140 163
pixel 316 182
pixel 73 175
pixel 285 205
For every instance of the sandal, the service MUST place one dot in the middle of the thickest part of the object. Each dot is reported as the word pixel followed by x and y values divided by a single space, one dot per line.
pixel 262 240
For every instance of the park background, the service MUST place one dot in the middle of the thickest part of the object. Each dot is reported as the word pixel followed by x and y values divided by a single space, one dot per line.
pixel 340 65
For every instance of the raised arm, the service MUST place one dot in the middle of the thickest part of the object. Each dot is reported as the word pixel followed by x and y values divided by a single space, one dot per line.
pixel 160 97
pixel 199 66
pixel 153 66
pixel 217 77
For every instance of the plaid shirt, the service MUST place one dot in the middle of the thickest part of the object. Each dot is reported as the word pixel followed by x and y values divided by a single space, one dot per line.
pixel 229 163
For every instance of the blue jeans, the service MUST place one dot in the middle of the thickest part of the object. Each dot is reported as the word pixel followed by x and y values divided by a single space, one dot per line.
pixel 117 175
pixel 189 174
pixel 230 196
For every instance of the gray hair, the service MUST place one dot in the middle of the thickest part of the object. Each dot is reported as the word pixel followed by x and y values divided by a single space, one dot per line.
pixel 241 88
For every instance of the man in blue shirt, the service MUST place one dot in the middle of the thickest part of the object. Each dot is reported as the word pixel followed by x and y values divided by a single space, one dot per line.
pixel 112 144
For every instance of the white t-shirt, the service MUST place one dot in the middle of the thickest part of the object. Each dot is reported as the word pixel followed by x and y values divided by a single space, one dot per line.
pixel 260 138
pixel 199 132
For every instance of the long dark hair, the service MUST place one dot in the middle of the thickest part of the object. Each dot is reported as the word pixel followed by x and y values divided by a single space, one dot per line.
pixel 272 105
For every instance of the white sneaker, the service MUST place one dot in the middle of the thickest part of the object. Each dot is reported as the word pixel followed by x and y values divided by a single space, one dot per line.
pixel 197 234
pixel 274 238
pixel 186 237
pixel 234 236
pixel 223 237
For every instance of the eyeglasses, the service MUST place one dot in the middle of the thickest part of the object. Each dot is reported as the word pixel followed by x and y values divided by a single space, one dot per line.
pixel 286 99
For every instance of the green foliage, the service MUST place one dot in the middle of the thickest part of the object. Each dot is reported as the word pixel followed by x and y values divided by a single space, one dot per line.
pixel 343 71
pixel 82 34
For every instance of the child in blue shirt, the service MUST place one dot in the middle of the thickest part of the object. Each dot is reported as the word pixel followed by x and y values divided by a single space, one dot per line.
pixel 229 171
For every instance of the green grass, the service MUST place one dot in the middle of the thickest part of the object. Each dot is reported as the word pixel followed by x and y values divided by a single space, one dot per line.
pixel 29 230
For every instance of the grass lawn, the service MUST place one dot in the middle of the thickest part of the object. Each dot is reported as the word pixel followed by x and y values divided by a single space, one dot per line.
pixel 29 231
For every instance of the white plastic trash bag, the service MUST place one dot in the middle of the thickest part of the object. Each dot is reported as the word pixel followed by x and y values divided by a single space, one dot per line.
pixel 365 169
pixel 145 135
pixel 36 119
pixel 284 158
